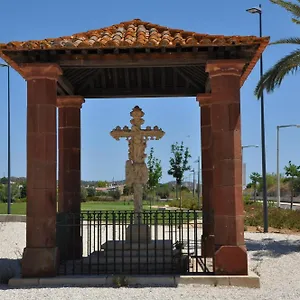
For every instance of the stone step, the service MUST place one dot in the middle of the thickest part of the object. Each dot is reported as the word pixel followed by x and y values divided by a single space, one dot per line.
pixel 102 259
pixel 133 253
pixel 119 268
pixel 125 245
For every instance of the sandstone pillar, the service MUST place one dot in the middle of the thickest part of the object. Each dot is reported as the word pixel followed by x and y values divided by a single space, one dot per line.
pixel 69 146
pixel 40 256
pixel 230 251
pixel 207 239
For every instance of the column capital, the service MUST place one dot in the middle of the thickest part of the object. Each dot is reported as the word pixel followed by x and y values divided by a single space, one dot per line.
pixel 220 67
pixel 204 99
pixel 70 101
pixel 41 71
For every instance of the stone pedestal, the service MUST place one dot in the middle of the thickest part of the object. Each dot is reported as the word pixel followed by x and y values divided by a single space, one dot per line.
pixel 40 262
pixel 138 233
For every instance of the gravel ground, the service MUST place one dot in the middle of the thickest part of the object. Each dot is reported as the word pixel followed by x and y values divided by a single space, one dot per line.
pixel 275 257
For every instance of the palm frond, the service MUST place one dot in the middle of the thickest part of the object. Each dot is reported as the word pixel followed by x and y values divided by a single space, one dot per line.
pixel 296 21
pixel 274 76
pixel 289 6
pixel 292 40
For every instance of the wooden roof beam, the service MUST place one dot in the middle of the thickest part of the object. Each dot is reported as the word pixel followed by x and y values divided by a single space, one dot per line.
pixel 66 85
pixel 132 60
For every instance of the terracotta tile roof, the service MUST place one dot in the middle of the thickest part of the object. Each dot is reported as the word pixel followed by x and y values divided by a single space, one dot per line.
pixel 135 33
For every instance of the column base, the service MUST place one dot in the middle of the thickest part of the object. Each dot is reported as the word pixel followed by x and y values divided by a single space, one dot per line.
pixel 207 246
pixel 40 262
pixel 231 260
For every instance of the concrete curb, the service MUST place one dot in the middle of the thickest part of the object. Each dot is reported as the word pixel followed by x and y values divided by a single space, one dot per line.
pixel 249 281
pixel 12 218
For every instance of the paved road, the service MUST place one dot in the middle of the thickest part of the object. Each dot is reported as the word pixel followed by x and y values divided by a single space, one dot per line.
pixel 287 205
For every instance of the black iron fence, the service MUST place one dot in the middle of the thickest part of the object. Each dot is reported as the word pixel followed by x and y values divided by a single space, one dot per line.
pixel 124 242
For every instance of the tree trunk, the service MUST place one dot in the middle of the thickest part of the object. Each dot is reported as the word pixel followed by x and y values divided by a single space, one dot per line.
pixel 292 194
pixel 180 197
pixel 176 190
pixel 255 193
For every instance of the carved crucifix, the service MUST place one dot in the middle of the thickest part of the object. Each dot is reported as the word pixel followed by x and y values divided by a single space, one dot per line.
pixel 136 168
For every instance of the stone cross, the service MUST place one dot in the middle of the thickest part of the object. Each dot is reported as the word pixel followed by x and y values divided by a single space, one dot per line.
pixel 136 168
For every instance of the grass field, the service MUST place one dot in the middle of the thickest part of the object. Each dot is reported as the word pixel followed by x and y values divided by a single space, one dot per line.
pixel 20 208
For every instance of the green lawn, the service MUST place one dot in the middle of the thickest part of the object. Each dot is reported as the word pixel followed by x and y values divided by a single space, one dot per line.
pixel 20 208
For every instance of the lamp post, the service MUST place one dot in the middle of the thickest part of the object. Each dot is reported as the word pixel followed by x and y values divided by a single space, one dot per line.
pixel 278 173
pixel 258 10
pixel 243 168
pixel 193 171
pixel 8 139
pixel 198 189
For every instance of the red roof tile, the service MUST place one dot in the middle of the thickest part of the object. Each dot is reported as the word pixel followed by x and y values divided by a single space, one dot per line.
pixel 135 33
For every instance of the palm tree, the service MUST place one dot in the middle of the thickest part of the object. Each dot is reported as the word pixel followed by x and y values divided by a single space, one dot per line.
pixel 289 64
pixel 255 179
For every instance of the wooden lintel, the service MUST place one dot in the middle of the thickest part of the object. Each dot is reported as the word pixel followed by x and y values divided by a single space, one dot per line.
pixel 132 60
pixel 66 85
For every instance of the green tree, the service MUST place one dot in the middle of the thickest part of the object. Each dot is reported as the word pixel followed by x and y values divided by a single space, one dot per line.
pixel 102 184
pixel 255 179
pixel 292 171
pixel 83 194
pixel 179 164
pixel 163 191
pixel 23 190
pixel 3 180
pixel 155 172
pixel 115 194
pixel 2 193
pixel 271 179
pixel 290 63
pixel 91 192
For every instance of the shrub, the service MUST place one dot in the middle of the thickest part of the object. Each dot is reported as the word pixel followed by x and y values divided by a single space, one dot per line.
pixel 115 194
pixel 278 217
pixel 186 203
pixel 21 200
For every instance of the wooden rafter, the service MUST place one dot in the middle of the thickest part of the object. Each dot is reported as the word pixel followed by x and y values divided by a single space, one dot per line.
pixel 187 78
pixel 65 85
pixel 88 81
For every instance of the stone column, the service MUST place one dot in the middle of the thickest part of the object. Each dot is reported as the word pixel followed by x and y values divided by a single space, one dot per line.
pixel 40 256
pixel 69 146
pixel 230 251
pixel 207 239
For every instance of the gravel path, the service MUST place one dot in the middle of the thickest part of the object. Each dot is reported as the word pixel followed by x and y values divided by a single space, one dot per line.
pixel 275 257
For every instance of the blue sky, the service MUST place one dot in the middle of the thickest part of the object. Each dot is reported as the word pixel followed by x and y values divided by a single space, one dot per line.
pixel 102 156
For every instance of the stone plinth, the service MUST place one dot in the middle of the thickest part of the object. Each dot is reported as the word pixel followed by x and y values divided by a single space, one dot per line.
pixel 40 262
pixel 138 233
pixel 157 257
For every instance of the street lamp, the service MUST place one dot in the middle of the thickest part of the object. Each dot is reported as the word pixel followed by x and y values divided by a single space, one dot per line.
pixel 258 10
pixel 193 171
pixel 198 189
pixel 278 174
pixel 8 138
pixel 243 165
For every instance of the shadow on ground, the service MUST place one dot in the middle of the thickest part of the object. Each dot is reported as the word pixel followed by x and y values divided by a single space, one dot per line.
pixel 269 247
pixel 9 268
